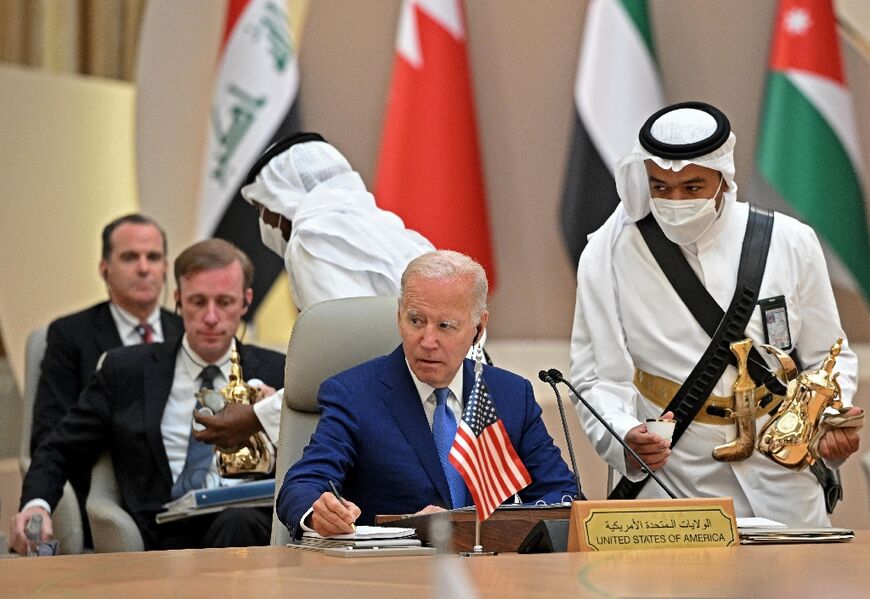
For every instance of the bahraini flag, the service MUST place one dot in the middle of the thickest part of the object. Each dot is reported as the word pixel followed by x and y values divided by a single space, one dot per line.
pixel 429 170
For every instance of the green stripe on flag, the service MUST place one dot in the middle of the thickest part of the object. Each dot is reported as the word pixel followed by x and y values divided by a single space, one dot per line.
pixel 638 10
pixel 803 159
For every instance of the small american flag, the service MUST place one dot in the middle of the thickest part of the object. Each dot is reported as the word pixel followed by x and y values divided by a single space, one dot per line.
pixel 483 454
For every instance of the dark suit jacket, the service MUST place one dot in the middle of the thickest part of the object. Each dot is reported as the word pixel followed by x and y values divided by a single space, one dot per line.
pixel 373 439
pixel 74 345
pixel 121 410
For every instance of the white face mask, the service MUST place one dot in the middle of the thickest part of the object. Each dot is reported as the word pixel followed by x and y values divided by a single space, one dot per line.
pixel 272 237
pixel 686 221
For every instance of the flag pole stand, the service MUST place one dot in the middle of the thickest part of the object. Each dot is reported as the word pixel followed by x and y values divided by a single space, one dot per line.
pixel 477 551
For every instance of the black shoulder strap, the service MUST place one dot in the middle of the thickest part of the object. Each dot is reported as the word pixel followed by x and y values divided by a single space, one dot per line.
pixel 723 327
pixel 695 296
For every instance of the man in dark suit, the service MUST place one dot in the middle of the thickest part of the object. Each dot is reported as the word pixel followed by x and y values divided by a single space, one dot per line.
pixel 133 266
pixel 376 438
pixel 139 406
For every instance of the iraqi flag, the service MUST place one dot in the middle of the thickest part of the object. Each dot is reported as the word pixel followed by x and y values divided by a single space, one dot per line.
pixel 617 89
pixel 808 149
pixel 429 171
pixel 253 105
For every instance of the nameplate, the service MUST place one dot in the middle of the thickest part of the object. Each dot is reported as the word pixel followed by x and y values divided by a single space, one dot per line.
pixel 652 524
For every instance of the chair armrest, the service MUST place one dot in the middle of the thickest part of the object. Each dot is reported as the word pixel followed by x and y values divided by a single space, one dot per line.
pixel 112 528
pixel 66 518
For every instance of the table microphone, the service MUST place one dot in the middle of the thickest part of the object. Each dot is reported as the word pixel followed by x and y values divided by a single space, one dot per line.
pixel 544 376
pixel 553 376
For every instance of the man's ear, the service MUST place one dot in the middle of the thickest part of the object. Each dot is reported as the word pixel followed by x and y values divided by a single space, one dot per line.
pixel 248 298
pixel 481 326
pixel 104 270
pixel 177 296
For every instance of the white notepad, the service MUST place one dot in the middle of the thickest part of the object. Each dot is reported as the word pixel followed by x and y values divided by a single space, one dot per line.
pixel 366 533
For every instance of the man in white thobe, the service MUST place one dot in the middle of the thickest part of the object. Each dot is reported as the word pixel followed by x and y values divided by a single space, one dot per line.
pixel 630 325
pixel 315 212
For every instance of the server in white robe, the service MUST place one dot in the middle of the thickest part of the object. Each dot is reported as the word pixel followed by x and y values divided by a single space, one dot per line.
pixel 630 325
pixel 315 212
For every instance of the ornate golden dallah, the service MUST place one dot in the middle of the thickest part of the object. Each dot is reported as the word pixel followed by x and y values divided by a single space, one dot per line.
pixel 790 438
pixel 254 459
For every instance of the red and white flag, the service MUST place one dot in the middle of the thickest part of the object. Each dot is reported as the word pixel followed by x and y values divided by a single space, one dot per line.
pixel 483 454
pixel 430 171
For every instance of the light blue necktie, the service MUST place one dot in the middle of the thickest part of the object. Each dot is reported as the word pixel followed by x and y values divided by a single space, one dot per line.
pixel 199 455
pixel 444 430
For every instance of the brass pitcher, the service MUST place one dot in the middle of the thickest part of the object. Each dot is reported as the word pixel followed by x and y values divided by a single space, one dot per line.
pixel 743 412
pixel 254 459
pixel 790 438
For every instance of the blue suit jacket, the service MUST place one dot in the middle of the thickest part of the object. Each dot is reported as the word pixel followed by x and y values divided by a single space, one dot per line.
pixel 374 441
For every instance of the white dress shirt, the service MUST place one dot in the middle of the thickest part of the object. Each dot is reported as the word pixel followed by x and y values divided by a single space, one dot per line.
pixel 127 325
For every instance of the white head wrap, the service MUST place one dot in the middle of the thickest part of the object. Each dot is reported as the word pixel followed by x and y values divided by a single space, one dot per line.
pixel 290 176
pixel 681 126
pixel 334 218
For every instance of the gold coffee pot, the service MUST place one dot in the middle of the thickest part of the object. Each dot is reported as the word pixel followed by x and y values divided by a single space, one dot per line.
pixel 253 459
pixel 790 438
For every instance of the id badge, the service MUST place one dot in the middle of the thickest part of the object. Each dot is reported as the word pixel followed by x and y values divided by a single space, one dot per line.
pixel 774 316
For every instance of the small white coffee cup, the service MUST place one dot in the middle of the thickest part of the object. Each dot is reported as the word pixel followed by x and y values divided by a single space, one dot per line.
pixel 660 427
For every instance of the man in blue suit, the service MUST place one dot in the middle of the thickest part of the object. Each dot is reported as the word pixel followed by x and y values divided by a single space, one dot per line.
pixel 375 437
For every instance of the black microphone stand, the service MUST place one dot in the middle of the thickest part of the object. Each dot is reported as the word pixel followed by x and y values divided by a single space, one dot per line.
pixel 555 375
pixel 547 379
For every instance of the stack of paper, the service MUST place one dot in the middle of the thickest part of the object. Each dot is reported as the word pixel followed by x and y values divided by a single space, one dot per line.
pixel 755 523
pixel 365 537
pixel 757 531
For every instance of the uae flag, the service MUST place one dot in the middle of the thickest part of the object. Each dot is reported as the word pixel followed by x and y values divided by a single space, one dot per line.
pixel 808 148
pixel 483 453
pixel 253 105
pixel 429 171
pixel 617 89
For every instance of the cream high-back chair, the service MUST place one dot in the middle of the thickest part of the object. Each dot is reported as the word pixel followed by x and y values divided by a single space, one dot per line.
pixel 327 338
pixel 66 518
pixel 112 528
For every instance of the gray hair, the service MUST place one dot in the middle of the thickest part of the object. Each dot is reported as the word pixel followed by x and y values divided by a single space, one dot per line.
pixel 447 264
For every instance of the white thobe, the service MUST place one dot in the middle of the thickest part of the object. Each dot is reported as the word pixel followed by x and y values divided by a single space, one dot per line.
pixel 628 316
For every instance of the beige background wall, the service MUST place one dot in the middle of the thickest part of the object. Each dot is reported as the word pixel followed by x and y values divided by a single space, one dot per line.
pixel 67 168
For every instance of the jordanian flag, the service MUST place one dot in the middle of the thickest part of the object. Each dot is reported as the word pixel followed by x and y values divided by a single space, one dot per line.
pixel 252 106
pixel 808 147
pixel 617 89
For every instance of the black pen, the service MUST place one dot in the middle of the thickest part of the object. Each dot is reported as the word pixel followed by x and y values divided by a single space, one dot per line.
pixel 341 500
